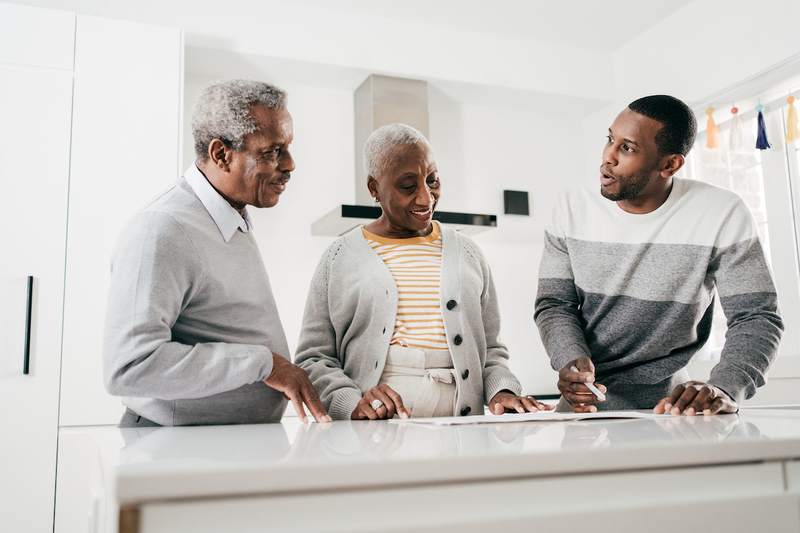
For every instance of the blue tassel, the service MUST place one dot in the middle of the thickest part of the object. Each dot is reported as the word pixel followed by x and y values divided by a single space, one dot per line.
pixel 762 143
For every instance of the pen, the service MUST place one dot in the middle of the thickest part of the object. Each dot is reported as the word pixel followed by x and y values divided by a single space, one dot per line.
pixel 591 387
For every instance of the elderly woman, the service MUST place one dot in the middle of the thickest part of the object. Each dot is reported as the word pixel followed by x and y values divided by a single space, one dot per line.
pixel 402 313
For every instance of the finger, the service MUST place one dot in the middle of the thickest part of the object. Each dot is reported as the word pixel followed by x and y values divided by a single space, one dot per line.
pixel 588 399
pixel 498 408
pixel 387 402
pixel 529 405
pixel 514 403
pixel 660 406
pixel 397 399
pixel 701 401
pixel 297 403
pixel 716 407
pixel 584 408
pixel 568 375
pixel 688 395
pixel 311 399
pixel 573 386
pixel 674 395
pixel 382 412
pixel 366 408
pixel 545 406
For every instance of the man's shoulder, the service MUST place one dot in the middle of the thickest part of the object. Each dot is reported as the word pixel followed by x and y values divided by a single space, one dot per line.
pixel 710 195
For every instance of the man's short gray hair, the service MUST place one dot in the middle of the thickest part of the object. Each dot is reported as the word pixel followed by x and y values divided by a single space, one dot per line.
pixel 223 112
pixel 382 140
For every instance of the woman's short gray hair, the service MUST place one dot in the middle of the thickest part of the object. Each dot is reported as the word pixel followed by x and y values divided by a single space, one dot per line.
pixel 382 140
pixel 223 112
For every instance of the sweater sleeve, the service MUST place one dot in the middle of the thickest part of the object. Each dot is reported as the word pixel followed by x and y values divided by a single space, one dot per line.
pixel 747 294
pixel 557 308
pixel 155 273
pixel 317 352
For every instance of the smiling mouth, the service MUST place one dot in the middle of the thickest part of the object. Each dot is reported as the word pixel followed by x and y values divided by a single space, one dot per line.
pixel 422 214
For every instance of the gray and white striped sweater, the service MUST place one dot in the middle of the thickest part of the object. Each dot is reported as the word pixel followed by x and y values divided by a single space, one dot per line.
pixel 636 292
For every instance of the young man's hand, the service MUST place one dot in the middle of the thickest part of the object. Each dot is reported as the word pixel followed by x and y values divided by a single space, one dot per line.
pixel 696 397
pixel 573 388
pixel 293 382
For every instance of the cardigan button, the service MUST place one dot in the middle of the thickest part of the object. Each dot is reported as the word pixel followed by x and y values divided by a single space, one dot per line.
pixel 451 305
pixel 457 340
pixel 465 411
pixel 465 374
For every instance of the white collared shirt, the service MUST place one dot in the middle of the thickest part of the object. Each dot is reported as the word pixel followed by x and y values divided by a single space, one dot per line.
pixel 227 219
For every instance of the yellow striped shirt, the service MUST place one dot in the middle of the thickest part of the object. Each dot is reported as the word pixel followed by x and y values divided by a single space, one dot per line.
pixel 416 266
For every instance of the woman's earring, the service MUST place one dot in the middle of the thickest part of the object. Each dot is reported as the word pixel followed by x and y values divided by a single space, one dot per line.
pixel 375 199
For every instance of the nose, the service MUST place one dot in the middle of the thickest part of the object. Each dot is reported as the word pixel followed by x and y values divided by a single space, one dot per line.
pixel 286 162
pixel 610 155
pixel 424 195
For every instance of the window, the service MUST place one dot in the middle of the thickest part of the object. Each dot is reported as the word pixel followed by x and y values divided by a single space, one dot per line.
pixel 769 183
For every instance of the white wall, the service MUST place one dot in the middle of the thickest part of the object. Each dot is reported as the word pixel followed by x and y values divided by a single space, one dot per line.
pixel 706 48
pixel 483 144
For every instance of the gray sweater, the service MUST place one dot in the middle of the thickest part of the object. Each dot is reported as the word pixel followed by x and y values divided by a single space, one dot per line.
pixel 350 316
pixel 191 323
pixel 636 292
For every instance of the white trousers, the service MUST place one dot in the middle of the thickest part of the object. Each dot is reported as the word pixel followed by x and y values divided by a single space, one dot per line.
pixel 424 379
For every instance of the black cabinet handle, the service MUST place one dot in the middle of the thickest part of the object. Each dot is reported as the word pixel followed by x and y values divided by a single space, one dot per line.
pixel 26 355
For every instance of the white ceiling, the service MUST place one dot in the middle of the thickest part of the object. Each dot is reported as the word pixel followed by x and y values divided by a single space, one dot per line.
pixel 593 24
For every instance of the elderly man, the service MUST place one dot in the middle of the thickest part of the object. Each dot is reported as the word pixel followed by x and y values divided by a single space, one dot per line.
pixel 192 333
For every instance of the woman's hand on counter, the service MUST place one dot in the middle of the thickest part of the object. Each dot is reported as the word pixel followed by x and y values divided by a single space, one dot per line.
pixel 508 402
pixel 390 404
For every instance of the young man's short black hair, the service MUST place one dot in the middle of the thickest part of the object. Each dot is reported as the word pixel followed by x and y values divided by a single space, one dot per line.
pixel 680 126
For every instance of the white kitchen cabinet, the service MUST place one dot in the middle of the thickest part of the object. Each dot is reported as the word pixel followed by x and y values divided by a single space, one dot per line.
pixel 125 151
pixel 31 36
pixel 35 107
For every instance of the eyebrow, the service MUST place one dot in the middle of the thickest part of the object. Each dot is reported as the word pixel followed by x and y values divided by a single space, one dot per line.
pixel 629 141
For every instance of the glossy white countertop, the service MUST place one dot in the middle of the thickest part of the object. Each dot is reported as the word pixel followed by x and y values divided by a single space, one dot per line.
pixel 168 463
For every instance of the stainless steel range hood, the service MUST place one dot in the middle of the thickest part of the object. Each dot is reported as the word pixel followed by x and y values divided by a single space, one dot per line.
pixel 378 101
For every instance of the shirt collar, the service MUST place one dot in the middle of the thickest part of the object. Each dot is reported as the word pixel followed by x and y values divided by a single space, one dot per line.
pixel 227 219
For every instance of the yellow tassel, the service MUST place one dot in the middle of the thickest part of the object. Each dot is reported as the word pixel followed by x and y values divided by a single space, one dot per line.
pixel 712 130
pixel 792 127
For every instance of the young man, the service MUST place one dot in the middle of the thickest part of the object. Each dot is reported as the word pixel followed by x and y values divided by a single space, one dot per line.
pixel 629 276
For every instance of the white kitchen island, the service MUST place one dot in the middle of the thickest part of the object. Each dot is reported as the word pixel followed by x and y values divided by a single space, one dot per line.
pixel 728 473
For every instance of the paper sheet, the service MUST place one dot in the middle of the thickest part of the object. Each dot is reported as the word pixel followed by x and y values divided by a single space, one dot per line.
pixel 544 416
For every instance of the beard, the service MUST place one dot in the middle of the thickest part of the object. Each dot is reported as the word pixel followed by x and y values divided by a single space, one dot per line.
pixel 628 188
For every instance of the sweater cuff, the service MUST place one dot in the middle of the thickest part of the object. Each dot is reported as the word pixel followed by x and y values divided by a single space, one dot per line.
pixel 343 403
pixel 738 387
pixel 495 383
pixel 264 355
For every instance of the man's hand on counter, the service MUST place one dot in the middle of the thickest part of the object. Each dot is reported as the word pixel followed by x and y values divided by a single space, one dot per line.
pixel 508 402
pixel 293 382
pixel 695 397
pixel 572 385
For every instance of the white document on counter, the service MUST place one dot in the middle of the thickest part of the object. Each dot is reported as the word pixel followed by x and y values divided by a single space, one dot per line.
pixel 542 416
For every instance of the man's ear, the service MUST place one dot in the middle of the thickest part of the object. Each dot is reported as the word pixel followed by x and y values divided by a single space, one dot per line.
pixel 219 155
pixel 671 164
